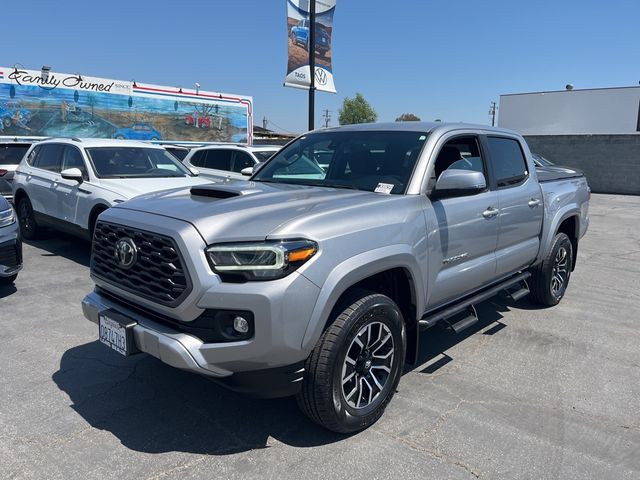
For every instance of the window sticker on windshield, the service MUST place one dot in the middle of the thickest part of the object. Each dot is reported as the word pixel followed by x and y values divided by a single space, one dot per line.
pixel 384 188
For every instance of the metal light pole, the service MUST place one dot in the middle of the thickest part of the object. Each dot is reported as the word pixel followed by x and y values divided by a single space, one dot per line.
pixel 312 62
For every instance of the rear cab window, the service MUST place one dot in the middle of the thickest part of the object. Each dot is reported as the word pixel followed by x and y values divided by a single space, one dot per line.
pixel 508 161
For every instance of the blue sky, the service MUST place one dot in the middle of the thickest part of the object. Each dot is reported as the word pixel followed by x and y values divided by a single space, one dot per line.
pixel 437 59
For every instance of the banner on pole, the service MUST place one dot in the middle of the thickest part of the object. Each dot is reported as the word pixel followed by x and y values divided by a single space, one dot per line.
pixel 298 71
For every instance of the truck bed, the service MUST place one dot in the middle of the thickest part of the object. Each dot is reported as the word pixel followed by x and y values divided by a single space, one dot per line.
pixel 550 174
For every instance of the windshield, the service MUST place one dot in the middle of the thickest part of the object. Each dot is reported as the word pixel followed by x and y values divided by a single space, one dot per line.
pixel 375 161
pixel 12 154
pixel 264 155
pixel 135 162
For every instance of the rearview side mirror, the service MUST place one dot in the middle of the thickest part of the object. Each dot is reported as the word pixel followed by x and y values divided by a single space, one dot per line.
pixel 248 171
pixel 72 174
pixel 456 182
pixel 194 171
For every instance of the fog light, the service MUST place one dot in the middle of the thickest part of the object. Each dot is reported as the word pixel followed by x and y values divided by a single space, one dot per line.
pixel 240 325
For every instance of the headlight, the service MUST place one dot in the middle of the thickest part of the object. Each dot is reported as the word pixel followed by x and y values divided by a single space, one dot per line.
pixel 7 217
pixel 259 261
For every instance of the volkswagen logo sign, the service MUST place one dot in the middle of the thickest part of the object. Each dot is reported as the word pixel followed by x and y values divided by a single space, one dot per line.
pixel 126 253
pixel 321 76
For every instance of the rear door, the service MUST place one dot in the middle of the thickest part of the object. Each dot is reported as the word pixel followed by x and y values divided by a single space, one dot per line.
pixel 43 177
pixel 520 205
pixel 466 226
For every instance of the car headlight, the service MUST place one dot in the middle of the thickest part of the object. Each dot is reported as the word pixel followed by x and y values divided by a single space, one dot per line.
pixel 7 217
pixel 260 260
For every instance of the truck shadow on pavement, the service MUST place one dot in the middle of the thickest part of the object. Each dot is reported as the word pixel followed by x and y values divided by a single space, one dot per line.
pixel 153 408
pixel 60 244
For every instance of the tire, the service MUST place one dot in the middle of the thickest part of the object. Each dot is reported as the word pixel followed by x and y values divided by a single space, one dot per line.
pixel 29 228
pixel 8 280
pixel 550 278
pixel 120 137
pixel 347 387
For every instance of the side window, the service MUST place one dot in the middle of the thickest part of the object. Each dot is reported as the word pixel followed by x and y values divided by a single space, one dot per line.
pixel 198 158
pixel 507 159
pixel 31 158
pixel 219 159
pixel 461 153
pixel 50 157
pixel 73 159
pixel 242 160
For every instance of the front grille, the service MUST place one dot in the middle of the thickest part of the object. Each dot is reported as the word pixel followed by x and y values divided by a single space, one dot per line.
pixel 158 273
pixel 10 254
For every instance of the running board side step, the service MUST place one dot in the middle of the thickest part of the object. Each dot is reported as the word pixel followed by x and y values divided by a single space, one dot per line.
pixel 430 319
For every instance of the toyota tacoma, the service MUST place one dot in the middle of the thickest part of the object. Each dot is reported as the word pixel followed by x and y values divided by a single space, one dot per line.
pixel 296 282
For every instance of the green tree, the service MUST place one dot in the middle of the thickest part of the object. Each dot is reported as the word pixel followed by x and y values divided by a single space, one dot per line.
pixel 356 110
pixel 408 117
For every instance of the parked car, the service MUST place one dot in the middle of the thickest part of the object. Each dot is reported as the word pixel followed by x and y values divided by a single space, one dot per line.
pixel 10 244
pixel 292 284
pixel 138 131
pixel 300 36
pixel 10 155
pixel 220 162
pixel 178 151
pixel 67 183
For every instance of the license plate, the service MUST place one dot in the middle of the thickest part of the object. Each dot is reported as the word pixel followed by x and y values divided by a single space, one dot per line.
pixel 116 332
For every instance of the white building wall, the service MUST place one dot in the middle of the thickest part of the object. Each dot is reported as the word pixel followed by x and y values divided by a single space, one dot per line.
pixel 566 112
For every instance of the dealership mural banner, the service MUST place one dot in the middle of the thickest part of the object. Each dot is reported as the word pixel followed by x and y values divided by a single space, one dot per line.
pixel 298 70
pixel 48 104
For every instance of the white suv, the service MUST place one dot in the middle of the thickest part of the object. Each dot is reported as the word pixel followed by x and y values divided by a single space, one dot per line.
pixel 220 162
pixel 66 183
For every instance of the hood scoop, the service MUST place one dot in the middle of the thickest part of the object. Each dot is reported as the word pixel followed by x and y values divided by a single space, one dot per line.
pixel 214 191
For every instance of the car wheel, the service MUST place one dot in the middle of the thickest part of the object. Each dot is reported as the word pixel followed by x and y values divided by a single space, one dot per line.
pixel 154 138
pixel 8 280
pixel 550 278
pixel 354 369
pixel 28 225
pixel 6 122
pixel 120 137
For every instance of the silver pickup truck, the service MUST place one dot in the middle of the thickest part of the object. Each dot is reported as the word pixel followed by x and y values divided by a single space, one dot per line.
pixel 314 277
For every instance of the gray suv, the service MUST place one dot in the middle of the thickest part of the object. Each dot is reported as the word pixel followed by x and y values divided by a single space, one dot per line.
pixel 314 278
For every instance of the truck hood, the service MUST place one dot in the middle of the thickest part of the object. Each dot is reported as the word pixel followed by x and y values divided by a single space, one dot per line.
pixel 242 211
pixel 132 187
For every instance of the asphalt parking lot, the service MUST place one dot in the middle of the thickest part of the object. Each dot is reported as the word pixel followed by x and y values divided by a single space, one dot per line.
pixel 527 393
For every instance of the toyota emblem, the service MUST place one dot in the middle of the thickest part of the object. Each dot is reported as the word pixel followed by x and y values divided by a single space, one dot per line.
pixel 126 253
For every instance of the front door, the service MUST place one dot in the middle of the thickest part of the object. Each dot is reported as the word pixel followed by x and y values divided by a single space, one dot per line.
pixel 466 228
pixel 69 192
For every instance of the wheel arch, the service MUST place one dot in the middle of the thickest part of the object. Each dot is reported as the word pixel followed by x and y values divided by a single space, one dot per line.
pixel 396 275
pixel 96 210
pixel 570 226
pixel 20 194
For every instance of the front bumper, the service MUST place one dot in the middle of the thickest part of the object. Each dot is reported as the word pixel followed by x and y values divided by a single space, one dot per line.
pixel 186 352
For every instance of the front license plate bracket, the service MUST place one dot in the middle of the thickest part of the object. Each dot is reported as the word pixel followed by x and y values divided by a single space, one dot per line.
pixel 115 330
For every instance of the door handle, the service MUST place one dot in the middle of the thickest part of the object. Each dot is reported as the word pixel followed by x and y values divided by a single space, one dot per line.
pixel 534 202
pixel 490 212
